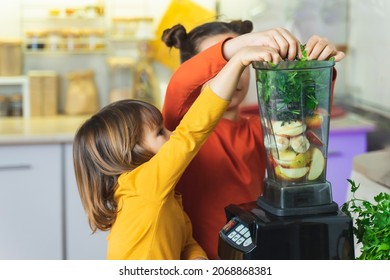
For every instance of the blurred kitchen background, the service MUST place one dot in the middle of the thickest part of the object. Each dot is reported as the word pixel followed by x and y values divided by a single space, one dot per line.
pixel 61 60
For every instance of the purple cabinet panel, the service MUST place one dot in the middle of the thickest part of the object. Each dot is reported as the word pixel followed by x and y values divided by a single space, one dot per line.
pixel 343 146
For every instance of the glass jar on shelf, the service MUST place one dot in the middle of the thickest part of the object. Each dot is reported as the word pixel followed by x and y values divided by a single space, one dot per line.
pixel 36 40
pixel 70 38
pixel 53 39
pixel 145 83
pixel 144 28
pixel 95 39
pixel 120 78
pixel 123 28
pixel 16 105
pixel 3 105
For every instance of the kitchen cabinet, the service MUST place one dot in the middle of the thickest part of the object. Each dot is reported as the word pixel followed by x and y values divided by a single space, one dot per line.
pixel 347 139
pixel 41 216
pixel 80 242
pixel 31 205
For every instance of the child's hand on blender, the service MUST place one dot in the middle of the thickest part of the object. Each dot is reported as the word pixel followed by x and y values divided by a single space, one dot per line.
pixel 320 48
pixel 279 39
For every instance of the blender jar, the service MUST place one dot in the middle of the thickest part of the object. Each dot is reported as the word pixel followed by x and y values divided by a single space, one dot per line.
pixel 294 101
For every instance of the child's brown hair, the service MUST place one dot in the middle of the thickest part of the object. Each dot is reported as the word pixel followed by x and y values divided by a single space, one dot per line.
pixel 105 146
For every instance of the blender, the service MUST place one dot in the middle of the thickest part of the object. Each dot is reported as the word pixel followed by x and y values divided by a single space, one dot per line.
pixel 295 217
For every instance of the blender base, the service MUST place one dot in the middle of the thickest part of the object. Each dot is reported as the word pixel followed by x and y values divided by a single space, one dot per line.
pixel 252 233
pixel 307 210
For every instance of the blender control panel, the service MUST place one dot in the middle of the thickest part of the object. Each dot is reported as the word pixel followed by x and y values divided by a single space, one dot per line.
pixel 237 234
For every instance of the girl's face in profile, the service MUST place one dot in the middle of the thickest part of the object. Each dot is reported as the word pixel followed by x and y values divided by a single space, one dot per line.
pixel 155 137
pixel 243 84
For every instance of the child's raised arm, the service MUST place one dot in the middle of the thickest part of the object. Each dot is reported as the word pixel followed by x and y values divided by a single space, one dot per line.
pixel 225 83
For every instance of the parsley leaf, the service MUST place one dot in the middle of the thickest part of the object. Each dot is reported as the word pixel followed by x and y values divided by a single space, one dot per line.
pixel 371 224
pixel 292 90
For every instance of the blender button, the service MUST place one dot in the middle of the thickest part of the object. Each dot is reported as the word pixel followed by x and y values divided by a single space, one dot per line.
pixel 233 233
pixel 244 230
pixel 239 227
pixel 236 237
pixel 247 242
pixel 247 234
pixel 239 241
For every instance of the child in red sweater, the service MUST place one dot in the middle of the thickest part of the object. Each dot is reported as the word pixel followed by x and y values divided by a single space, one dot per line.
pixel 230 167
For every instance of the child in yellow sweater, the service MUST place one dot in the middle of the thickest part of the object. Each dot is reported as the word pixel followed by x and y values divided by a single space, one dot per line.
pixel 127 165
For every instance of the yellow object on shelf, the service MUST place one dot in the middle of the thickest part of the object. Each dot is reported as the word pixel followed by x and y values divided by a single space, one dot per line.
pixel 186 13
pixel 145 85
pixel 120 78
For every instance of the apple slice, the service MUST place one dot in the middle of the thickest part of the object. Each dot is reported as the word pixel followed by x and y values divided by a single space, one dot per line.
pixel 300 160
pixel 271 161
pixel 317 164
pixel 280 176
pixel 313 138
pixel 315 121
pixel 285 157
pixel 294 173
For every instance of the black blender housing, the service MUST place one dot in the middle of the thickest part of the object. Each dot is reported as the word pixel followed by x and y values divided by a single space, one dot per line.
pixel 296 217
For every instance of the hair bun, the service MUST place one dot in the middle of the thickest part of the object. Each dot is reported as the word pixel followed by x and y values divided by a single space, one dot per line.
pixel 241 27
pixel 174 36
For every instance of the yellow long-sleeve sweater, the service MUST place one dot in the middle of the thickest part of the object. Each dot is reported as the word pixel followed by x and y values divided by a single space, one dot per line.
pixel 151 223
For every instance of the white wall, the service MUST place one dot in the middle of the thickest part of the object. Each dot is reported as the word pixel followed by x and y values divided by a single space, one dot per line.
pixel 10 19
pixel 369 60
pixel 303 18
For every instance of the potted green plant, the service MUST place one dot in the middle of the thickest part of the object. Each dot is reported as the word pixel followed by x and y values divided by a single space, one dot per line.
pixel 371 224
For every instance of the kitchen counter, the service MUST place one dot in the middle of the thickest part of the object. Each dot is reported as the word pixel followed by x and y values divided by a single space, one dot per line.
pixel 375 167
pixel 62 128
pixel 39 130
pixel 350 122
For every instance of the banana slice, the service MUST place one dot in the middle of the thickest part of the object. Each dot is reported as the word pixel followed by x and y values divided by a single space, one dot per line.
pixel 300 144
pixel 281 143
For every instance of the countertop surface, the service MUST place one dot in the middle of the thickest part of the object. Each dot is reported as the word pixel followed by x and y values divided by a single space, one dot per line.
pixel 62 128
pixel 39 130
pixel 374 166
pixel 350 122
